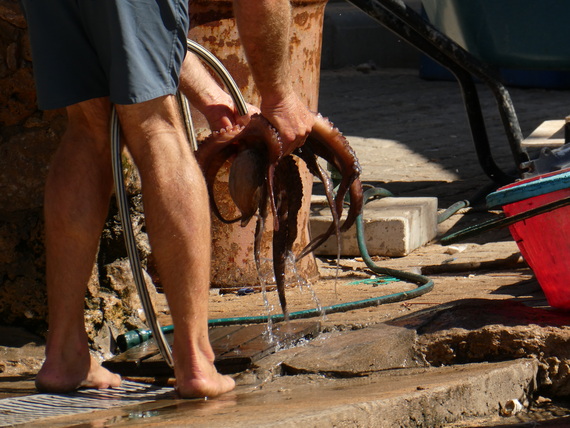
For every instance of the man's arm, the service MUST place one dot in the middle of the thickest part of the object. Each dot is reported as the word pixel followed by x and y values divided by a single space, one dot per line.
pixel 204 93
pixel 264 27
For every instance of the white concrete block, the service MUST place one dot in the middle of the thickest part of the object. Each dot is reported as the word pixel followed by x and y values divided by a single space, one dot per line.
pixel 393 227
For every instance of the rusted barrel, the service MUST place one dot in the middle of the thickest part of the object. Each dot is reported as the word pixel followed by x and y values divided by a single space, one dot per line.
pixel 213 26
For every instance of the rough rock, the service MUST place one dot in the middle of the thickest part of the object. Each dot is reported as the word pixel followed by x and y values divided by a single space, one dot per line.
pixel 509 330
pixel 22 289
pixel 28 139
pixel 356 352
pixel 20 351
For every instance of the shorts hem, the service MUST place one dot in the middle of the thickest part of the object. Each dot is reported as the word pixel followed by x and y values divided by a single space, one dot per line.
pixel 145 97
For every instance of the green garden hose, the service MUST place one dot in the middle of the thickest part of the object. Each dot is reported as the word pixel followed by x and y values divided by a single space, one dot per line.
pixel 135 337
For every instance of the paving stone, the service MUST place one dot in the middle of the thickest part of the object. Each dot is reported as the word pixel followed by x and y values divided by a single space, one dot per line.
pixel 412 135
pixel 393 227
pixel 417 397
pixel 357 352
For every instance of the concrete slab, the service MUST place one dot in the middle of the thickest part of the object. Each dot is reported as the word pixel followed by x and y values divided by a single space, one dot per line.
pixel 407 397
pixel 550 133
pixel 456 333
pixel 393 227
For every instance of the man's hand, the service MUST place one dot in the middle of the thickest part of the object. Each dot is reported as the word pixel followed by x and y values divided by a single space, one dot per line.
pixel 208 97
pixel 292 119
pixel 224 113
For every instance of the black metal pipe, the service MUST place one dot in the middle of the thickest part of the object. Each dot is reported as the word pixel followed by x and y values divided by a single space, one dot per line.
pixel 410 26
pixel 470 97
pixel 479 132
pixel 460 56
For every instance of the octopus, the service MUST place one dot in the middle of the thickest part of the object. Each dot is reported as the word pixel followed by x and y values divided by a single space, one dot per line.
pixel 264 176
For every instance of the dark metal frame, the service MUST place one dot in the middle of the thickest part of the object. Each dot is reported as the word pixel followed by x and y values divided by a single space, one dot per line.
pixel 411 27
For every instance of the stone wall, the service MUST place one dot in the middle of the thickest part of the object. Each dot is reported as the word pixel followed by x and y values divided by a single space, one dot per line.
pixel 28 138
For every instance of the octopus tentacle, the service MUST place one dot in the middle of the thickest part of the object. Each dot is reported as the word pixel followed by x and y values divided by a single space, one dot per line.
pixel 211 156
pixel 259 230
pixel 356 204
pixel 317 170
pixel 328 143
pixel 288 199
pixel 262 132
pixel 307 155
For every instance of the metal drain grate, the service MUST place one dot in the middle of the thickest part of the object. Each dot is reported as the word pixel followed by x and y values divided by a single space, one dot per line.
pixel 20 410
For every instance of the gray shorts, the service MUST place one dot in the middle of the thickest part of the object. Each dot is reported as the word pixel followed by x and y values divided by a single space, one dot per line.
pixel 129 50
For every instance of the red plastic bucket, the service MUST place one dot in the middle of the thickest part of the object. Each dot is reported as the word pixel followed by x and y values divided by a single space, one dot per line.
pixel 543 240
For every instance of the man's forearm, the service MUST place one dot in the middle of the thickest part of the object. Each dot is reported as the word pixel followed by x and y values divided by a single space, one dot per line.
pixel 264 28
pixel 265 32
pixel 197 84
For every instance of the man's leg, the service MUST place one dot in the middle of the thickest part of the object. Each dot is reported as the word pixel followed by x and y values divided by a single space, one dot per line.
pixel 77 195
pixel 178 224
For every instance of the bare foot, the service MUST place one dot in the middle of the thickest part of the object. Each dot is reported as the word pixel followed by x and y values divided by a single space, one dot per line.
pixel 212 387
pixel 201 379
pixel 55 376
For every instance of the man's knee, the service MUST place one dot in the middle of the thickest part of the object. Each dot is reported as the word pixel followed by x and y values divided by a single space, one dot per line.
pixel 143 121
pixel 93 116
pixel 137 115
pixel 88 128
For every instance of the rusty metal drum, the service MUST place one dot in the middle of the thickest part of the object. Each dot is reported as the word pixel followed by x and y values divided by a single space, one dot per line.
pixel 213 26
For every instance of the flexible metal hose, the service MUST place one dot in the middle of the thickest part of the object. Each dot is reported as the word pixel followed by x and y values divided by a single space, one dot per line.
pixel 130 241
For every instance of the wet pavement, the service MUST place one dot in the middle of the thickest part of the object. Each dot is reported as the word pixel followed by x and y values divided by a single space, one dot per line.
pixel 401 364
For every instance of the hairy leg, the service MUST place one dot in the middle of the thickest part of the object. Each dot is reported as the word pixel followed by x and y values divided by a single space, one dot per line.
pixel 178 223
pixel 76 201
